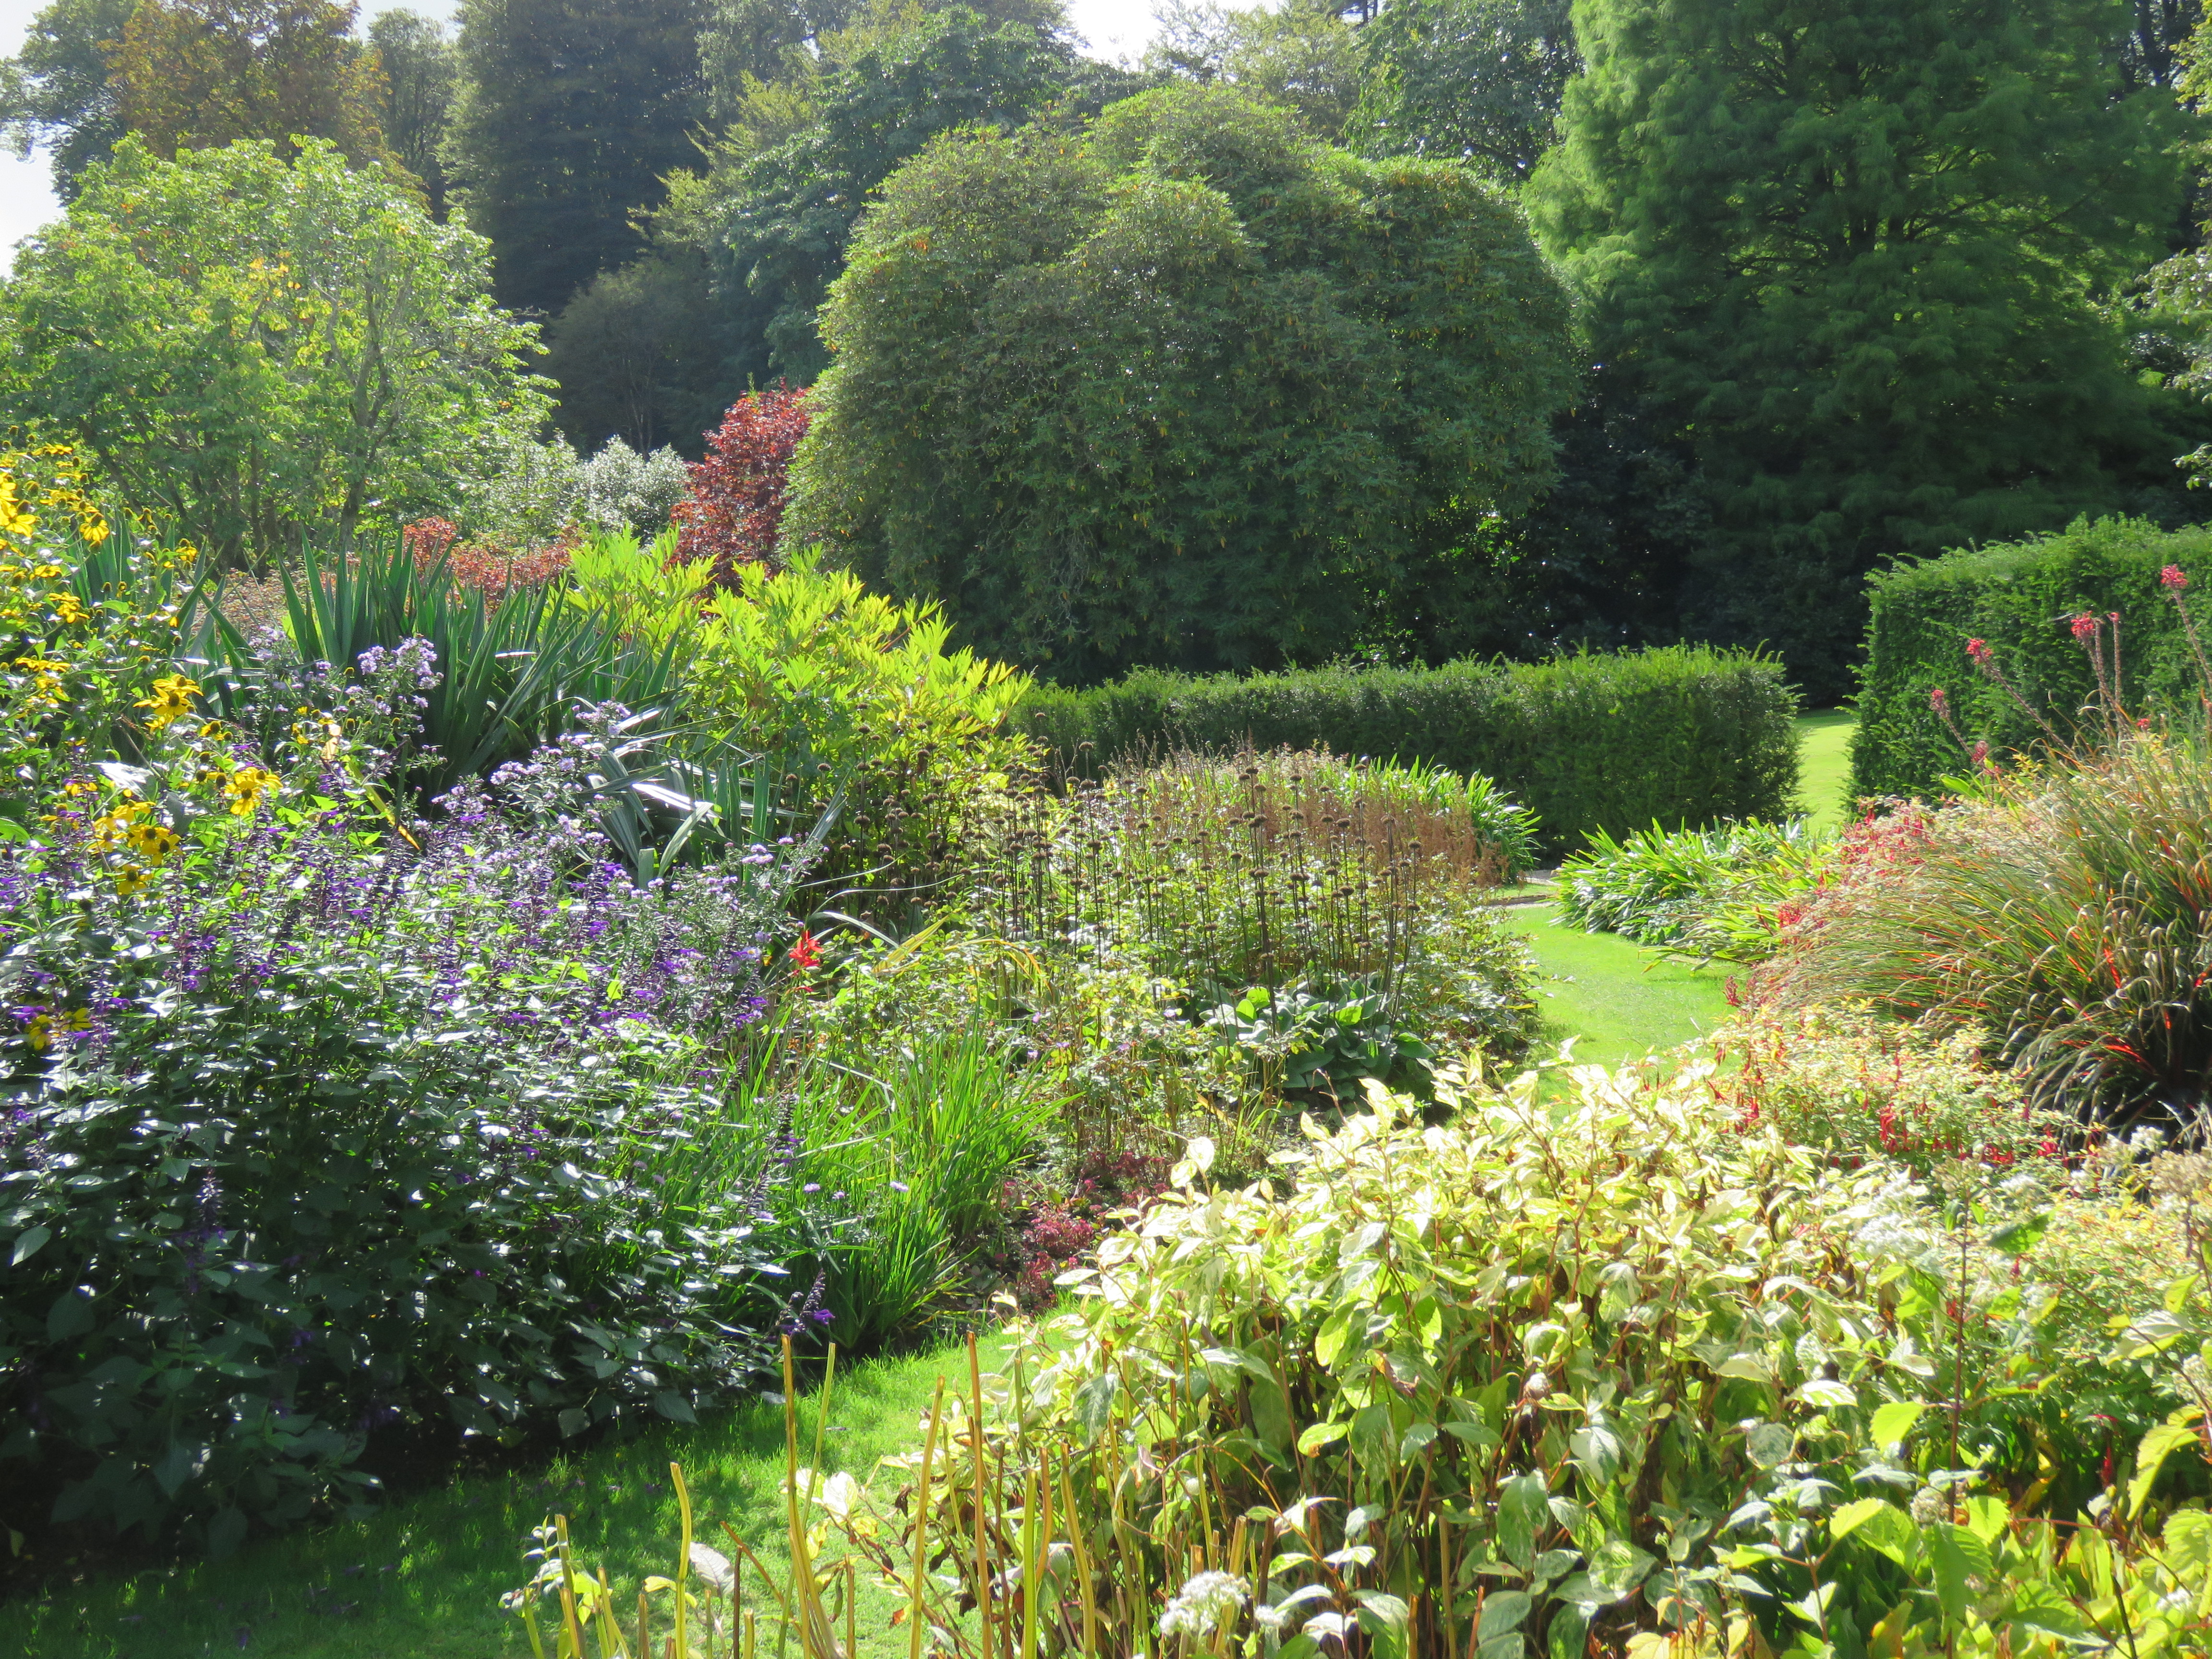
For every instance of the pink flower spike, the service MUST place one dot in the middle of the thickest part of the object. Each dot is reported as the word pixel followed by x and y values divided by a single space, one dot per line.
pixel 2085 626
pixel 1979 650
pixel 1981 754
pixel 2173 578
pixel 1940 701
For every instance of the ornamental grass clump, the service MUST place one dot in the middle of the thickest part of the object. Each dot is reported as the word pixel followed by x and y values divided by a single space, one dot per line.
pixel 1712 893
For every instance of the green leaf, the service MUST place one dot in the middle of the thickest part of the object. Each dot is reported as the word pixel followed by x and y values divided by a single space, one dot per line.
pixel 1894 1421
pixel 2151 1452
pixel 1501 1612
pixel 1523 1507
pixel 1849 1518
pixel 1094 1404
pixel 1320 1434
pixel 28 1243
pixel 674 1407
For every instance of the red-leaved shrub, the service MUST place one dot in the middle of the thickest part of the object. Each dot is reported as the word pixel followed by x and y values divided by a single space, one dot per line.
pixel 733 514
pixel 483 567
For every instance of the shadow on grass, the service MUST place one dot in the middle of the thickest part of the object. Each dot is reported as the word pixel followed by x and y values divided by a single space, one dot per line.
pixel 422 1578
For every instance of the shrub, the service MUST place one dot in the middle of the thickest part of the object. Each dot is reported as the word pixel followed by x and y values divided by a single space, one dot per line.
pixel 1318 914
pixel 1865 1089
pixel 1675 736
pixel 862 703
pixel 2062 910
pixel 1565 1373
pixel 2018 598
pixel 1715 892
pixel 621 489
pixel 1184 385
pixel 732 510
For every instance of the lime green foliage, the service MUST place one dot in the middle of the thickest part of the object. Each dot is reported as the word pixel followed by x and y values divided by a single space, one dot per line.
pixel 423 1578
pixel 1178 388
pixel 858 697
pixel 1681 735
pixel 1710 893
pixel 1790 264
pixel 1618 1001
pixel 2017 598
pixel 2062 909
pixel 642 589
pixel 217 331
pixel 1607 1358
pixel 1862 1088
pixel 1825 796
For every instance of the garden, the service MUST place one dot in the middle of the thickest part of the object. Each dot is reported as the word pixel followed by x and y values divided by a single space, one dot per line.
pixel 1322 888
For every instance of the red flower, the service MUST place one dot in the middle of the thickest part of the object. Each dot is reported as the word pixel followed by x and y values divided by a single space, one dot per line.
pixel 805 953
pixel 1940 701
pixel 2173 577
pixel 2085 626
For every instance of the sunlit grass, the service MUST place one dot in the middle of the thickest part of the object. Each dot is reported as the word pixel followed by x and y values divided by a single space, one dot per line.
pixel 1824 763
pixel 423 1578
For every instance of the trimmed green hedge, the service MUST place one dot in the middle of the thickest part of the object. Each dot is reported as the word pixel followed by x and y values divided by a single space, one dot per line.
pixel 1682 735
pixel 2020 597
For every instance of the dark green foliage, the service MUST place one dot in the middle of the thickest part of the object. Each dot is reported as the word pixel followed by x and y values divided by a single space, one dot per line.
pixel 1466 79
pixel 2020 598
pixel 1677 736
pixel 1866 285
pixel 573 112
pixel 640 354
pixel 55 94
pixel 784 226
pixel 1182 389
pixel 276 1192
pixel 421 72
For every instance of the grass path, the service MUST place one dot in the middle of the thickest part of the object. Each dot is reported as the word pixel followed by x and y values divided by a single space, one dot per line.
pixel 1824 759
pixel 1618 1000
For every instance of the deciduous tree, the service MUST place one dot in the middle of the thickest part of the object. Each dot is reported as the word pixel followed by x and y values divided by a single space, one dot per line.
pixel 1182 389
pixel 1477 81
pixel 57 94
pixel 421 73
pixel 266 352
pixel 200 73
pixel 572 113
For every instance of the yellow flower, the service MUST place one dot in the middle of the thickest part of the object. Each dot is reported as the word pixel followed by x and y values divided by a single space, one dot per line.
pixel 131 880
pixel 246 786
pixel 154 843
pixel 69 613
pixel 39 1034
pixel 172 700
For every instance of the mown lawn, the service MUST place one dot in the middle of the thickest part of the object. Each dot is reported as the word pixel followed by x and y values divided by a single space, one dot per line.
pixel 423 1578
pixel 1824 757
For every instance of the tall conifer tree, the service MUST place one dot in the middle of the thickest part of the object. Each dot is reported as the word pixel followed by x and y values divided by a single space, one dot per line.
pixel 1854 248
pixel 573 112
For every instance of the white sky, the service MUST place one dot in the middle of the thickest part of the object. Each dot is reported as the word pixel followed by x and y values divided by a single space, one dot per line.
pixel 1116 29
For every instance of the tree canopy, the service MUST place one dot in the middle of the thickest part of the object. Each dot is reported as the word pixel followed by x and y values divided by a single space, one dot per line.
pixel 264 351
pixel 201 73
pixel 56 93
pixel 1478 81
pixel 573 111
pixel 421 75
pixel 1171 388
pixel 1855 249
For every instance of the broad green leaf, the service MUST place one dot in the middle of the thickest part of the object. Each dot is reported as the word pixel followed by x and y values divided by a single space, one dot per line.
pixel 1849 1517
pixel 28 1243
pixel 1894 1421
pixel 1094 1403
pixel 1522 1508
pixel 1320 1434
pixel 1501 1612
pixel 2151 1453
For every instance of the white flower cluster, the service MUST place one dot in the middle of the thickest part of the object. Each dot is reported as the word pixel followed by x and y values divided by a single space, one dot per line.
pixel 1204 1604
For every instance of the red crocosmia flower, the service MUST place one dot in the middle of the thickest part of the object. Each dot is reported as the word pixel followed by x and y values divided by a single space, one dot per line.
pixel 805 953
pixel 2173 577
pixel 1940 701
pixel 2085 626
pixel 1979 650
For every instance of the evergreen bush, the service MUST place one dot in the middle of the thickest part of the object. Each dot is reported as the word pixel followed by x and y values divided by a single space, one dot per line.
pixel 1680 735
pixel 2020 598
